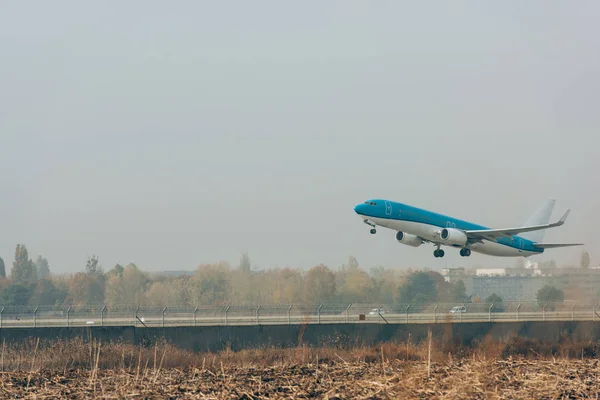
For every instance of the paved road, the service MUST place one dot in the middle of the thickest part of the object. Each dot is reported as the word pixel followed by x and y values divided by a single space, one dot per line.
pixel 187 319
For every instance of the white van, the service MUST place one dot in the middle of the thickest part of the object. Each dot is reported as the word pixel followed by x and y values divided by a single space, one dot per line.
pixel 459 309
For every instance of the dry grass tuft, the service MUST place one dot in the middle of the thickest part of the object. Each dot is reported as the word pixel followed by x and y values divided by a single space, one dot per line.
pixel 515 369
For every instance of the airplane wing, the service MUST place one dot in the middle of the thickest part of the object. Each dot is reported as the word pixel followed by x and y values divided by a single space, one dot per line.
pixel 493 234
pixel 554 245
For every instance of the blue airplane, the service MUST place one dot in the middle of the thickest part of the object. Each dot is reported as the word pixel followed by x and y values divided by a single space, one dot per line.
pixel 416 226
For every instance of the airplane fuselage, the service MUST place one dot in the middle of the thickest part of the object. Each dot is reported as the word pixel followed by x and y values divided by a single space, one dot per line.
pixel 427 225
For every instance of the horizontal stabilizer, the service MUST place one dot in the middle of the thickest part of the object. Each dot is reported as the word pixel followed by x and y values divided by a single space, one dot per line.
pixel 554 245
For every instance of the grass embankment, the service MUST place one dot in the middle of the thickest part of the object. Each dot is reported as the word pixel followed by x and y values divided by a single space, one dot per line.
pixel 490 369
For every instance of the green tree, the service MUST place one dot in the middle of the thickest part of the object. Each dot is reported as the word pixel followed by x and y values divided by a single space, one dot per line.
pixel 42 267
pixel 17 294
pixel 119 269
pixel 45 292
pixel 551 295
pixel 497 301
pixel 419 288
pixel 23 270
pixel 585 260
pixel 458 291
pixel 2 268
pixel 92 267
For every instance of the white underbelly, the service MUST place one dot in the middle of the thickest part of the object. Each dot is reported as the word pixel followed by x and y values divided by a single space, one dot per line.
pixel 425 231
pixel 431 232
pixel 498 250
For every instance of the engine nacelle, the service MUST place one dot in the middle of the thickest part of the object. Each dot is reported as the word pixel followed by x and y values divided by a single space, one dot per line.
pixel 453 236
pixel 408 239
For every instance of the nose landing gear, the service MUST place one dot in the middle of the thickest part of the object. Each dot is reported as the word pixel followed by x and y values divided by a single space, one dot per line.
pixel 372 225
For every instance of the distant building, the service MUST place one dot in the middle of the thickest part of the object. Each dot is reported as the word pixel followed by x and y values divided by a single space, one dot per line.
pixel 491 272
pixel 509 288
pixel 450 274
pixel 522 284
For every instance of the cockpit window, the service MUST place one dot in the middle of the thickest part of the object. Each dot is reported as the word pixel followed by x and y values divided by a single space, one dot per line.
pixel 371 203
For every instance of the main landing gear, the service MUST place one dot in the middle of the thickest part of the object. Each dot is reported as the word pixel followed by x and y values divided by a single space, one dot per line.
pixel 438 253
pixel 373 231
pixel 465 252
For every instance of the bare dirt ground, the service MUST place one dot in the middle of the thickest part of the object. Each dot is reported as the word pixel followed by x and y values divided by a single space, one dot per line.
pixel 494 379
pixel 78 370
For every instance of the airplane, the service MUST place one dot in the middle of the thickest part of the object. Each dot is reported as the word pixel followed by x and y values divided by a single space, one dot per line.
pixel 415 226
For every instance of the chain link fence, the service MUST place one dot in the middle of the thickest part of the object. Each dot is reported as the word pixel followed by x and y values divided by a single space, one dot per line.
pixel 105 315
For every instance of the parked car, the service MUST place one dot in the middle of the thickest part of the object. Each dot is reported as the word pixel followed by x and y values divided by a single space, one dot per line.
pixel 377 311
pixel 458 309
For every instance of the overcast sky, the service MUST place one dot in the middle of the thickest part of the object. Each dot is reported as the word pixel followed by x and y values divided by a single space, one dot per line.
pixel 174 134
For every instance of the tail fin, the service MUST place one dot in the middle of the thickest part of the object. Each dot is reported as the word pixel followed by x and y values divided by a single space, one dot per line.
pixel 540 217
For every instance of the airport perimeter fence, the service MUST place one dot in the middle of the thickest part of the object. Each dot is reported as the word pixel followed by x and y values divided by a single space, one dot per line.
pixel 103 315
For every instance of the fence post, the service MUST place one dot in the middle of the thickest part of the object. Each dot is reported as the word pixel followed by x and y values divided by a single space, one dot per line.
pixel 226 311
pixel 593 312
pixel 461 313
pixel 519 306
pixel 1 312
pixel 257 310
pixel 319 313
pixel 407 313
pixel 573 312
pixel 290 314
pixel 68 312
pixel 163 316
pixel 435 313
pixel 544 312
pixel 348 313
pixel 102 316
pixel 35 317
pixel 136 316
pixel 490 313
pixel 195 311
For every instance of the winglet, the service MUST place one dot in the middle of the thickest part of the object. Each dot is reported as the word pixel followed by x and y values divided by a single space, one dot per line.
pixel 564 217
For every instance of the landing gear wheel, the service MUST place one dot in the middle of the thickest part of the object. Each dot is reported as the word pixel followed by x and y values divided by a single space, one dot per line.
pixel 438 253
pixel 373 231
pixel 467 252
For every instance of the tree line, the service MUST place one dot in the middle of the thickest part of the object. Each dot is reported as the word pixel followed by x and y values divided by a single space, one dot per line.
pixel 32 283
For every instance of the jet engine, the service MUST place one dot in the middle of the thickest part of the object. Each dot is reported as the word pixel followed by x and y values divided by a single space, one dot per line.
pixel 408 239
pixel 453 236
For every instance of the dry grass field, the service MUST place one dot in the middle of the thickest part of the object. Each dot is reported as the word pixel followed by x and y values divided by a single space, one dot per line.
pixel 516 369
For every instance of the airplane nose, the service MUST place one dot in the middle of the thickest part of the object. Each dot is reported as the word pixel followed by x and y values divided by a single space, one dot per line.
pixel 358 208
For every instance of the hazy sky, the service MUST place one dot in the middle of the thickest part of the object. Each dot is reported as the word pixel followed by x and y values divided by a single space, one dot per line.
pixel 171 134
